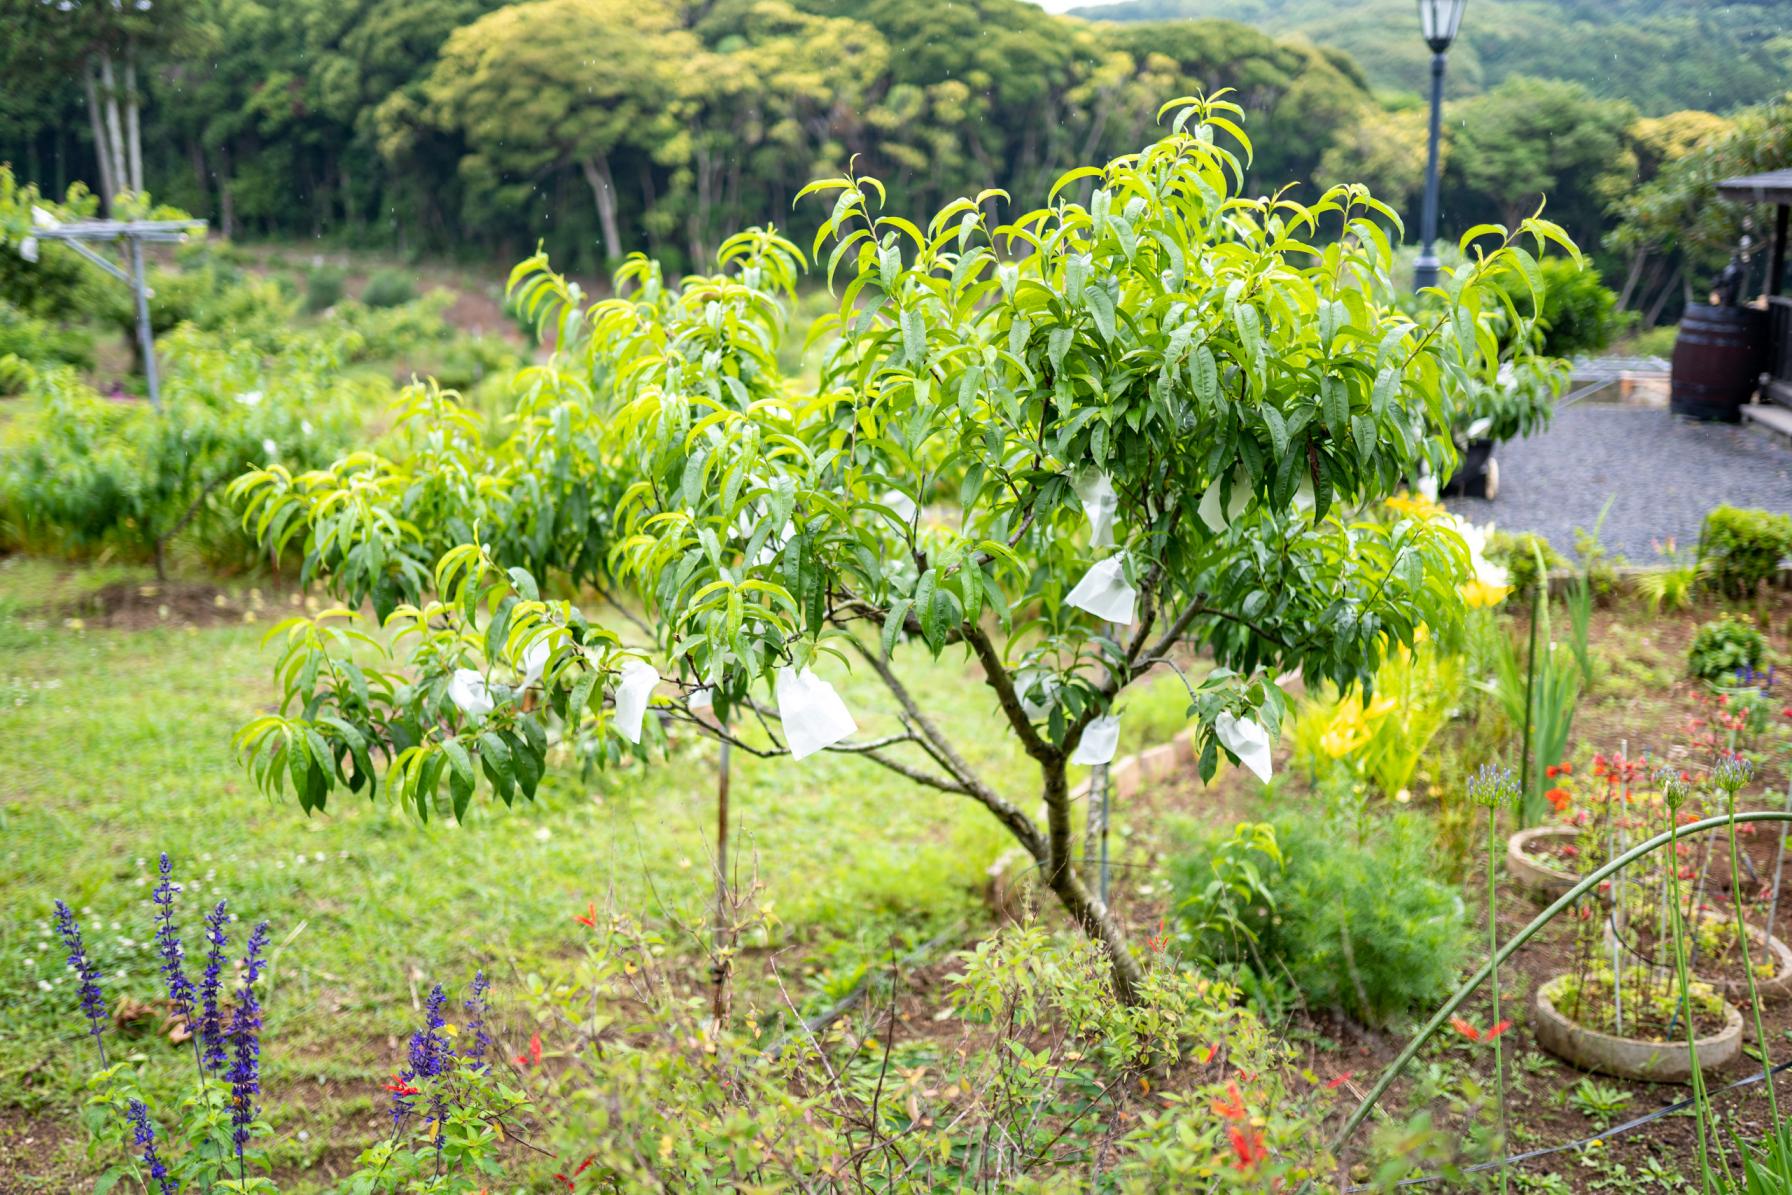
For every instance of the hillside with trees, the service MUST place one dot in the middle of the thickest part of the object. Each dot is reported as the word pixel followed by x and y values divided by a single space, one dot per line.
pixel 1660 55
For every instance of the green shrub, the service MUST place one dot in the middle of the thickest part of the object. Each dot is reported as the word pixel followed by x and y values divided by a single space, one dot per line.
pixel 324 288
pixel 40 342
pixel 82 473
pixel 389 288
pixel 1353 924
pixel 1742 548
pixel 1723 645
pixel 1518 552
pixel 1580 313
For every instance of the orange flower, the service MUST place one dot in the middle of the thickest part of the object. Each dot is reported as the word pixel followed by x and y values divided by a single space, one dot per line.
pixel 1559 797
pixel 589 916
pixel 1232 1109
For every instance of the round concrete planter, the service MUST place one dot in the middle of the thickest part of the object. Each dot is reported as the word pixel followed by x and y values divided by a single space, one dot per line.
pixel 1774 987
pixel 1762 948
pixel 1546 879
pixel 1628 1057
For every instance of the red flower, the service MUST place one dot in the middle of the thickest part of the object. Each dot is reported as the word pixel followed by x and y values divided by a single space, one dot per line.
pixel 533 1057
pixel 589 916
pixel 1558 797
pixel 1338 1082
pixel 1473 1034
pixel 399 1087
pixel 1247 1146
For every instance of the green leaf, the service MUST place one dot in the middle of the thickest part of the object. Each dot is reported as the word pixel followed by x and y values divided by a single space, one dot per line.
pixel 1334 402
pixel 893 624
pixel 1101 308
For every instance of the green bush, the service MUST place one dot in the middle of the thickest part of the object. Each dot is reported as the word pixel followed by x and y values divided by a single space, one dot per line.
pixel 389 288
pixel 1580 313
pixel 1359 925
pixel 41 342
pixel 324 288
pixel 1723 645
pixel 82 473
pixel 1518 552
pixel 1742 548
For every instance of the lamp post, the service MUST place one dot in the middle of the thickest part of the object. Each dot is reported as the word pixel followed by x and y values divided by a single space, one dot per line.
pixel 1439 20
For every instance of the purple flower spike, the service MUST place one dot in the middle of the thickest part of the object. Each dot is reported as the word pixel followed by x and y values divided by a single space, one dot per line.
pixel 478 1040
pixel 168 945
pixel 145 1137
pixel 211 1026
pixel 245 1039
pixel 93 1004
pixel 429 1055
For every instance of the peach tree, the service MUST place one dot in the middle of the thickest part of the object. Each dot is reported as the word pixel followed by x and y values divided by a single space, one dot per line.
pixel 1146 419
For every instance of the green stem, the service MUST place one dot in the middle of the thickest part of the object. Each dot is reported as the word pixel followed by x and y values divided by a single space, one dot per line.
pixel 1748 970
pixel 1473 982
pixel 1702 1107
pixel 1493 950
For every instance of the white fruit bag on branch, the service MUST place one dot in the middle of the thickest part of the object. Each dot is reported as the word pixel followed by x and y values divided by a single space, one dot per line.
pixel 814 717
pixel 1104 592
pixel 1245 738
pixel 633 688
pixel 1101 738
pixel 1099 501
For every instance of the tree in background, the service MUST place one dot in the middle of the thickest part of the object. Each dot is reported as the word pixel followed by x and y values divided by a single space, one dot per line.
pixel 556 83
pixel 1675 228
pixel 1531 139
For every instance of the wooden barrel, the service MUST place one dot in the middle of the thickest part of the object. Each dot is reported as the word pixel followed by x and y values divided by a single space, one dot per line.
pixel 1718 359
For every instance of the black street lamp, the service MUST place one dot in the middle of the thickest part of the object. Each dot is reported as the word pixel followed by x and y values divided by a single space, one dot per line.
pixel 1439 20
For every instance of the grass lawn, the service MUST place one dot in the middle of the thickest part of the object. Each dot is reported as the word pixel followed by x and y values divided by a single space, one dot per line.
pixel 120 747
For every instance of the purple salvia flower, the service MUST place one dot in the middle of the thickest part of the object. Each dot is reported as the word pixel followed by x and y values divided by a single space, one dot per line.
pixel 478 1040
pixel 429 1054
pixel 168 945
pixel 245 1041
pixel 211 1026
pixel 145 1136
pixel 93 1004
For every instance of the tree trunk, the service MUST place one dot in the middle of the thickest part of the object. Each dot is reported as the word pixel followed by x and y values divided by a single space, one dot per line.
pixel 101 150
pixel 1631 279
pixel 603 191
pixel 1061 877
pixel 226 202
pixel 114 127
pixel 132 126
pixel 1661 300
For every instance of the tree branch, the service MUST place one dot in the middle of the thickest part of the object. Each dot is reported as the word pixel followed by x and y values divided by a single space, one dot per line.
pixel 1018 823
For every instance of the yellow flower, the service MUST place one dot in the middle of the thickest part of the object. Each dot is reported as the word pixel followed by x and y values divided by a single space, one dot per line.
pixel 1415 506
pixel 1339 741
pixel 1479 594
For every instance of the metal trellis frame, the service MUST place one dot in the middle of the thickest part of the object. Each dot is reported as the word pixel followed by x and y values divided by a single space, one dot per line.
pixel 129 236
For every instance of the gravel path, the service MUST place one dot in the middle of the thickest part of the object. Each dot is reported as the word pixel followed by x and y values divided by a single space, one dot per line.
pixel 1662 474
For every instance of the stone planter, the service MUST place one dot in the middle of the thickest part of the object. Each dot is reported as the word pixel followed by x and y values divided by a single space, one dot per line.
pixel 1628 1057
pixel 1531 871
pixel 1762 948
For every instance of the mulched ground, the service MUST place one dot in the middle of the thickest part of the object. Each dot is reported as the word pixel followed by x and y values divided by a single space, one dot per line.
pixel 1661 473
